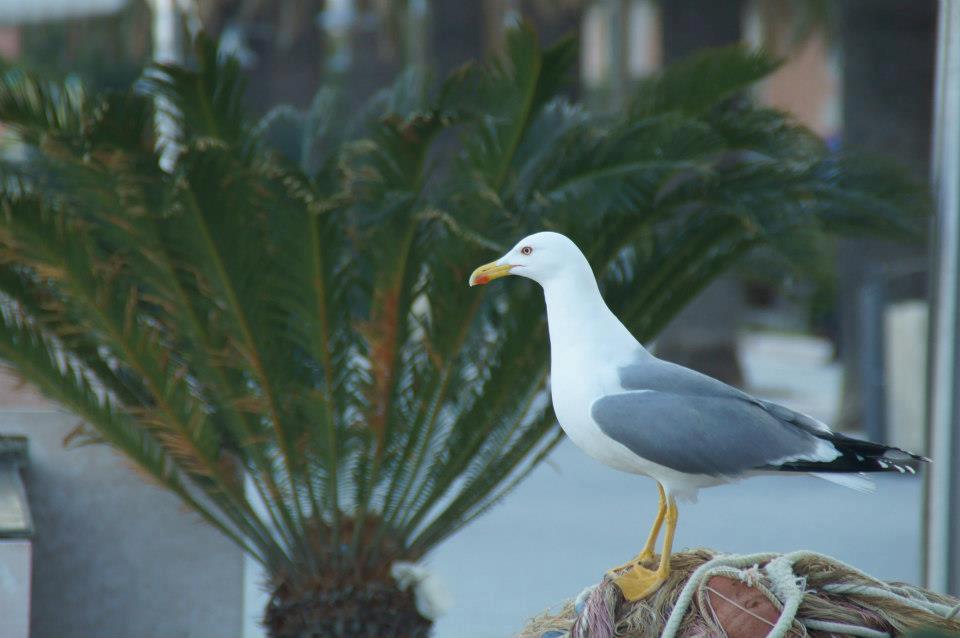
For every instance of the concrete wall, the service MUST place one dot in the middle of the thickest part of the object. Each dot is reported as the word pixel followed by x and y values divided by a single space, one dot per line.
pixel 112 555
pixel 255 599
pixel 905 371
pixel 15 588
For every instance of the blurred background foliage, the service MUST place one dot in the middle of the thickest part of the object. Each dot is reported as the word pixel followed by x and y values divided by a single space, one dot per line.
pixel 102 51
pixel 284 336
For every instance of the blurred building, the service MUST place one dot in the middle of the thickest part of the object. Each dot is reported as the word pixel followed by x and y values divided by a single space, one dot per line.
pixel 19 12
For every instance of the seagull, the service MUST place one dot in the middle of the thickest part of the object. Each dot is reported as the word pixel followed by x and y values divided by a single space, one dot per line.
pixel 643 415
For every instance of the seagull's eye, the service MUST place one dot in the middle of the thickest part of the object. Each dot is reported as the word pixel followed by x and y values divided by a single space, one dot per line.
pixel 526 250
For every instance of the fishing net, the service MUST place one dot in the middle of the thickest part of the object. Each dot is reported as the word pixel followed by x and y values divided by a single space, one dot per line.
pixel 746 596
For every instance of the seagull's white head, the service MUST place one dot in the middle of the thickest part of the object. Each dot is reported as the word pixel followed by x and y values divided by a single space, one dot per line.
pixel 543 257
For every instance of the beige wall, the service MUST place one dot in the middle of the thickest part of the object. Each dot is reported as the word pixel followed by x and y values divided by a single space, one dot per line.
pixel 808 85
pixel 17 395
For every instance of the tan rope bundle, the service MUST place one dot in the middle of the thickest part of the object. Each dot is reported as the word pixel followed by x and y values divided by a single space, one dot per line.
pixel 803 594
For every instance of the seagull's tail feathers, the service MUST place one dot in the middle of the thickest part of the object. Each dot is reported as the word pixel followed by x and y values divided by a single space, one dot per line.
pixel 856 456
pixel 858 481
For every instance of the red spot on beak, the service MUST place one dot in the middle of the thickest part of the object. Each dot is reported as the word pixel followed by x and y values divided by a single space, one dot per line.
pixel 482 279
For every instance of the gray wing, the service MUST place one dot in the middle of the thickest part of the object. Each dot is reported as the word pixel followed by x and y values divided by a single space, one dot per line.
pixel 693 423
pixel 650 373
pixel 701 435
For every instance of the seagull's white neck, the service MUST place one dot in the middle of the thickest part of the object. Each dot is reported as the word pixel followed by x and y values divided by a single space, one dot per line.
pixel 580 323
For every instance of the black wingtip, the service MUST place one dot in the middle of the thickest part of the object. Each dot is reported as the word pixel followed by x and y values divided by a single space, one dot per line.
pixel 860 456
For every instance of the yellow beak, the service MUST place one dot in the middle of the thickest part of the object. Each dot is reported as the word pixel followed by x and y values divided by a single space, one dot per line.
pixel 488 272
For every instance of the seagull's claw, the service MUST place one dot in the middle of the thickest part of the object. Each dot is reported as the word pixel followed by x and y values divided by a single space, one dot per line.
pixel 639 582
pixel 646 556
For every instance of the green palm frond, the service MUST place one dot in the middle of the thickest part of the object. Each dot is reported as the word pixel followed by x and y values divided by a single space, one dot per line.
pixel 205 101
pixel 297 331
pixel 504 97
pixel 35 108
pixel 700 82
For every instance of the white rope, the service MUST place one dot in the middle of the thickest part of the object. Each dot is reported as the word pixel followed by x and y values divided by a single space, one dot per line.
pixel 788 590
pixel 799 555
pixel 693 584
pixel 846 630
pixel 879 592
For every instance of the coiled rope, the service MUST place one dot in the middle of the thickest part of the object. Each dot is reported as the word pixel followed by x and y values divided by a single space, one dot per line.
pixel 810 591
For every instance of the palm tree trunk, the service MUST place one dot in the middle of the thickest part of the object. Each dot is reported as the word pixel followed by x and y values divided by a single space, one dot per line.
pixel 368 609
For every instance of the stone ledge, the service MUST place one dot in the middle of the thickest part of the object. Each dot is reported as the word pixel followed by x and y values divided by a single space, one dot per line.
pixel 15 519
pixel 13 449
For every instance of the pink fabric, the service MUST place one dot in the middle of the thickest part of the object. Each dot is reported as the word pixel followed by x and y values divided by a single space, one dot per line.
pixel 597 618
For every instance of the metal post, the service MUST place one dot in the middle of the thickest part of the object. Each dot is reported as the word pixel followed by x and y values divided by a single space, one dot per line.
pixel 941 530
pixel 416 34
pixel 618 16
pixel 873 303
pixel 338 21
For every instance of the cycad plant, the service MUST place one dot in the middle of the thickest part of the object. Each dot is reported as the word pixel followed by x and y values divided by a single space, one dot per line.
pixel 291 346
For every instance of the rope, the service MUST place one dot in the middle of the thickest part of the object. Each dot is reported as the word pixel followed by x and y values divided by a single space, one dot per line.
pixel 788 588
pixel 595 610
pixel 877 592
pixel 844 629
pixel 700 574
pixel 735 604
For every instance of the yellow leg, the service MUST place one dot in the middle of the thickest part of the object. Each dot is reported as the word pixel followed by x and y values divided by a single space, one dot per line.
pixel 639 582
pixel 651 544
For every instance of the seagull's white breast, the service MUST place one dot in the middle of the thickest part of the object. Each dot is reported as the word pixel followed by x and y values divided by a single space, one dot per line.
pixel 574 386
pixel 588 346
